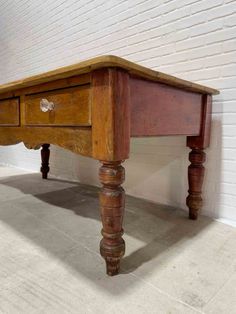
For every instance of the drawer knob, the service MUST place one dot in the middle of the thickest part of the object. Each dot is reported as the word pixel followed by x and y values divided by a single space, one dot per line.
pixel 46 105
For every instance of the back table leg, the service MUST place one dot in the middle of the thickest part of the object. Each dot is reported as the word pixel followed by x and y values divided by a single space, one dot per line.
pixel 197 157
pixel 195 180
pixel 45 154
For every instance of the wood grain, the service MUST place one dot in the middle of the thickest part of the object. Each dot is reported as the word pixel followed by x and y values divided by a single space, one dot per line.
pixel 158 109
pixel 9 112
pixel 72 107
pixel 77 140
pixel 110 114
pixel 104 62
pixel 73 81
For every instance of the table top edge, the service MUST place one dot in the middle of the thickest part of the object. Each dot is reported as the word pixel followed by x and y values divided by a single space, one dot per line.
pixel 105 62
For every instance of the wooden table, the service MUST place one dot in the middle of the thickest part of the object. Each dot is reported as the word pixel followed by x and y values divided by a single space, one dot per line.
pixel 93 108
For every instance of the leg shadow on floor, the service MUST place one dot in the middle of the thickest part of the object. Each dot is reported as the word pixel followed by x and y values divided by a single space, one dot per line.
pixel 152 231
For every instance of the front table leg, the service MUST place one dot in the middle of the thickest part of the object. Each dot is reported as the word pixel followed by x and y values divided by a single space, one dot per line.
pixel 112 201
pixel 195 178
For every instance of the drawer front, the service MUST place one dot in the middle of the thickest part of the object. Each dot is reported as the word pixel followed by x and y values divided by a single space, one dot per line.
pixel 64 107
pixel 9 112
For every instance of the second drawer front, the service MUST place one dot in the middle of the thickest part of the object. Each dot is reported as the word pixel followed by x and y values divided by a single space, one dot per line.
pixel 9 112
pixel 71 107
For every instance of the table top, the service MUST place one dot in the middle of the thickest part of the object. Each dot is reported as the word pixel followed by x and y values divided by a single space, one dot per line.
pixel 103 62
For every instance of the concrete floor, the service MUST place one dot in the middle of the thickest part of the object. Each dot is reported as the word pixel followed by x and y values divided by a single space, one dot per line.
pixel 50 262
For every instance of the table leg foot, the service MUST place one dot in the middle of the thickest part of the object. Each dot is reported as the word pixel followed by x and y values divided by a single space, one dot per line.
pixel 45 154
pixel 112 256
pixel 195 178
pixel 112 201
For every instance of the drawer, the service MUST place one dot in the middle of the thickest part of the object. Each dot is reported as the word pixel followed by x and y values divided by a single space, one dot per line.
pixel 62 107
pixel 9 112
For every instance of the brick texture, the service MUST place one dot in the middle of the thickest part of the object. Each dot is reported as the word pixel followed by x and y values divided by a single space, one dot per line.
pixel 192 39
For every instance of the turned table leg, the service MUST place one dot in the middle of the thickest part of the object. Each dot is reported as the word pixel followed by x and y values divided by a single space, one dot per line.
pixel 197 157
pixel 195 179
pixel 45 153
pixel 112 201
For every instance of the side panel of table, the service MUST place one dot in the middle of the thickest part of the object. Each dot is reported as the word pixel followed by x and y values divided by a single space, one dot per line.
pixel 158 109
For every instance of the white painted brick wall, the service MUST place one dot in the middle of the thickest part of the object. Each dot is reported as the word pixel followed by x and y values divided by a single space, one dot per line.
pixel 192 39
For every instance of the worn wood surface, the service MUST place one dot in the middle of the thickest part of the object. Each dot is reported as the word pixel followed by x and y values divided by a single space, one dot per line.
pixel 49 86
pixel 72 107
pixel 77 140
pixel 158 109
pixel 112 202
pixel 73 81
pixel 45 154
pixel 110 114
pixel 104 62
pixel 9 112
